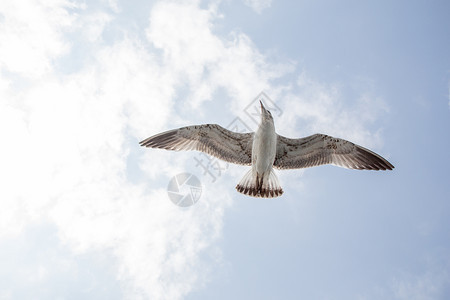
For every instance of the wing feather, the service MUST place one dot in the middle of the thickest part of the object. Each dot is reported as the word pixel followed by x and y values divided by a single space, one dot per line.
pixel 212 139
pixel 320 149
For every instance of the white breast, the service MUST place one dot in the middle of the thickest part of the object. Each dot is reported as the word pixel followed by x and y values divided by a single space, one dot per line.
pixel 264 147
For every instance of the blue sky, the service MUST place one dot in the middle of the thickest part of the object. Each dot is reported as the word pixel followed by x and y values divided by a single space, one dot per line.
pixel 84 211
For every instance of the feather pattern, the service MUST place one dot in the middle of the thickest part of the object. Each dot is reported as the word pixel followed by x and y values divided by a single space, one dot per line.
pixel 320 149
pixel 212 139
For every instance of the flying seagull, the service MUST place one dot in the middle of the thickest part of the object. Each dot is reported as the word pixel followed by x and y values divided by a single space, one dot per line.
pixel 265 150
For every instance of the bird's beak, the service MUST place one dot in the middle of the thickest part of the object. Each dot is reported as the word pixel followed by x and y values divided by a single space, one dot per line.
pixel 263 109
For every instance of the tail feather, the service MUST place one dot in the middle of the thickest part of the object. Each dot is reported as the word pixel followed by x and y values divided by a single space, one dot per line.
pixel 260 185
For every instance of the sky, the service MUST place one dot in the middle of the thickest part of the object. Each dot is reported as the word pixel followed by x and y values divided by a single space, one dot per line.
pixel 85 211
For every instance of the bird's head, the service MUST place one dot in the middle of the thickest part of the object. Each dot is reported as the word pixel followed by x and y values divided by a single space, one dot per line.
pixel 266 116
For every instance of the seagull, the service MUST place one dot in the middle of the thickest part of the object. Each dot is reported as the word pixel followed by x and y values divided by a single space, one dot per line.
pixel 265 150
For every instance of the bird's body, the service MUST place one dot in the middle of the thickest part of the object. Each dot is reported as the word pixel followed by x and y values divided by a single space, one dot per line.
pixel 265 150
pixel 261 180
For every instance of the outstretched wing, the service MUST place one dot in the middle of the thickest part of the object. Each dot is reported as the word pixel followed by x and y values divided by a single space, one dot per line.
pixel 320 149
pixel 212 139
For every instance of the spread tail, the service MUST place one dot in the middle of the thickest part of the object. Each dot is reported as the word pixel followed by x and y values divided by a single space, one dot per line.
pixel 257 185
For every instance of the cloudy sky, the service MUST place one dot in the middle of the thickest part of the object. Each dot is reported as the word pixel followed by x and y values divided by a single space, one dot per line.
pixel 84 210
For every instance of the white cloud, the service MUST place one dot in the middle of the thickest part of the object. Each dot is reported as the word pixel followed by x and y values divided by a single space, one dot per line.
pixel 75 173
pixel 321 108
pixel 113 4
pixel 258 5
pixel 93 25
pixel 213 63
pixel 31 34
pixel 66 159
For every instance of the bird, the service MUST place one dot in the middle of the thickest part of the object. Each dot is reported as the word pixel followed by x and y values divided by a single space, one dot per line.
pixel 265 150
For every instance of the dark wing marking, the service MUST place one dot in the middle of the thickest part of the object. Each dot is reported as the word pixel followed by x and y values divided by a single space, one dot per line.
pixel 212 139
pixel 320 149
